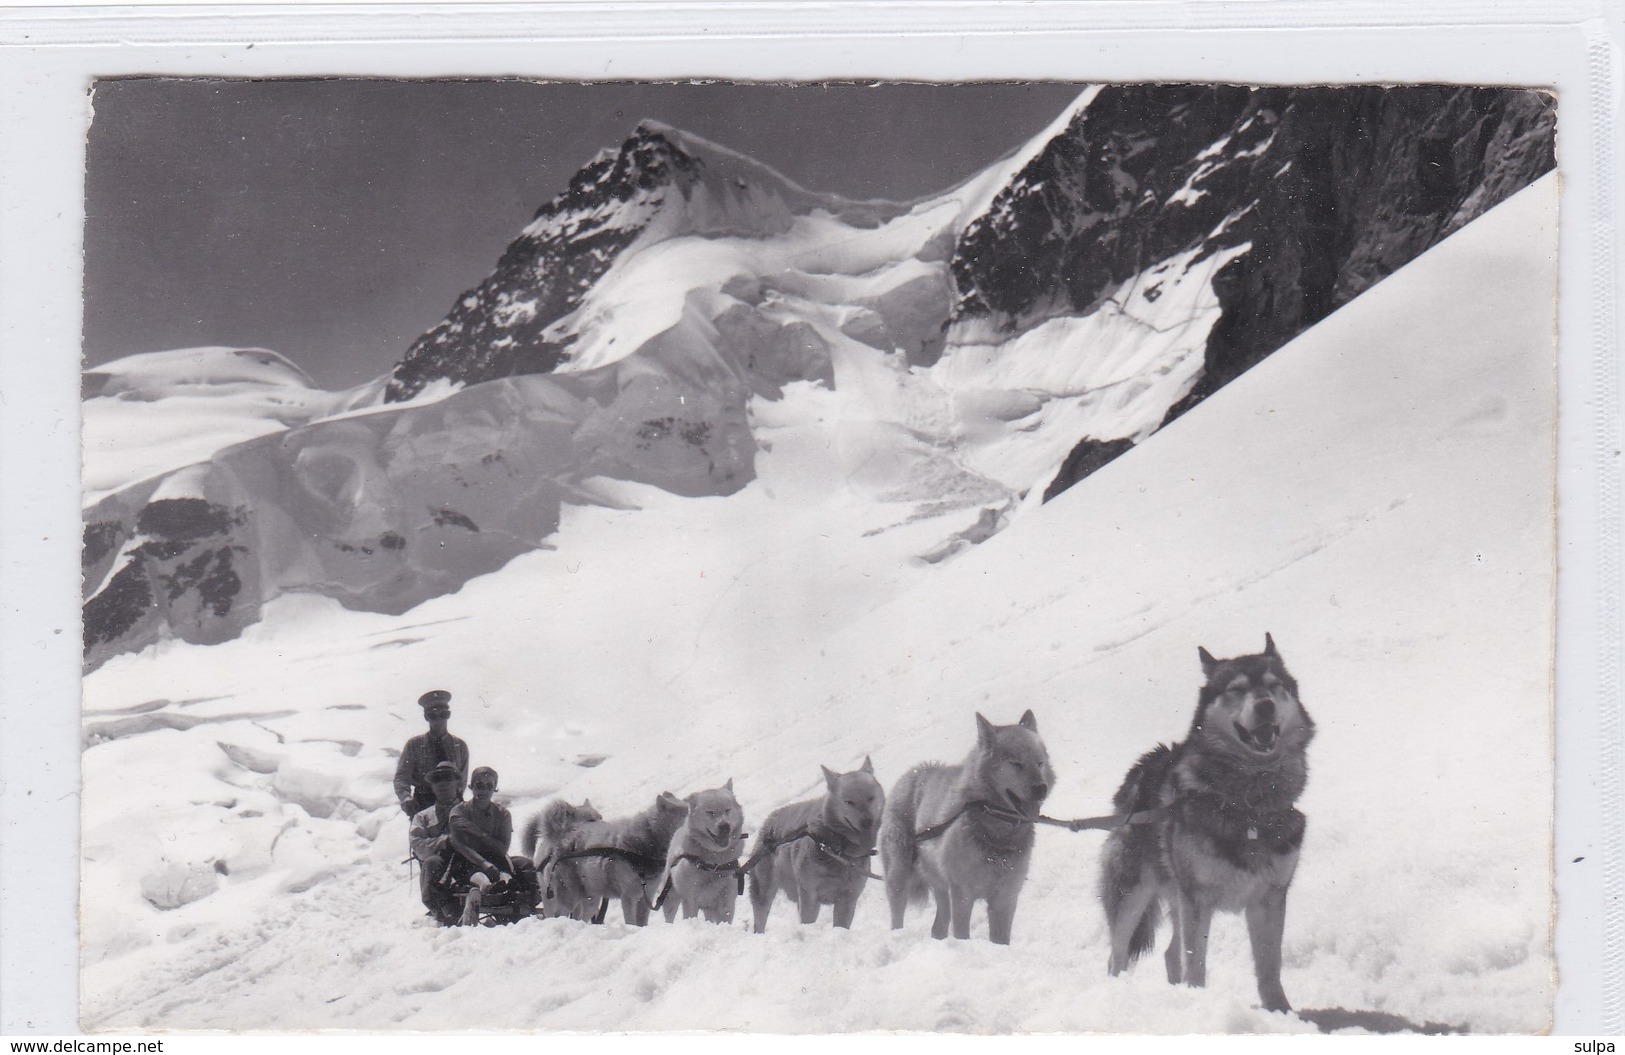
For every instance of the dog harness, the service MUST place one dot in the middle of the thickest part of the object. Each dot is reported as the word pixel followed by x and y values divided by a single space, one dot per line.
pixel 645 865
pixel 703 865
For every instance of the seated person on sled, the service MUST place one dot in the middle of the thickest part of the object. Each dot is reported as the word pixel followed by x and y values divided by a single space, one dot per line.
pixel 480 833
pixel 431 844
pixel 462 848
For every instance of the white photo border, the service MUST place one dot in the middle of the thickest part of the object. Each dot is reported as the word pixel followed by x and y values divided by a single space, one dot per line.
pixel 49 57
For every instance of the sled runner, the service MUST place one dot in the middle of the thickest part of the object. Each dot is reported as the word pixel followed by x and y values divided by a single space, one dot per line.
pixel 500 903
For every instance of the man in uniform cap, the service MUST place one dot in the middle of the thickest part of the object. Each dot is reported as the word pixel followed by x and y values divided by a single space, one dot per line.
pixel 431 842
pixel 425 751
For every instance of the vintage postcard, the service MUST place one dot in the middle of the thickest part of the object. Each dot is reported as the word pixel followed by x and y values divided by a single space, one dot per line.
pixel 818 557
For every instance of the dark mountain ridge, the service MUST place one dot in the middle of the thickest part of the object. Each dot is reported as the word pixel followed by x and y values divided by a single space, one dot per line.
pixel 1333 189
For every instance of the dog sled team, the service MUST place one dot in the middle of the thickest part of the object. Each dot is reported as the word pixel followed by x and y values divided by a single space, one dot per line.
pixel 1205 825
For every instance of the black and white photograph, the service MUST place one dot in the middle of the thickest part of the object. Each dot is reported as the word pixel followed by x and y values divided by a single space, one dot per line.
pixel 818 557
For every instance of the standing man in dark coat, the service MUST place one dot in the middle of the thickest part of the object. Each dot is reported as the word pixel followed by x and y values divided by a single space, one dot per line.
pixel 425 751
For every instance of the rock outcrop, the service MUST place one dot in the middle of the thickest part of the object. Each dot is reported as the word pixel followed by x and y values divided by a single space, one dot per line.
pixel 1330 190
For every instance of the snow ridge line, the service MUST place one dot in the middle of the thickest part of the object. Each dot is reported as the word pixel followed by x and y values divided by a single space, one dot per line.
pixel 1605 392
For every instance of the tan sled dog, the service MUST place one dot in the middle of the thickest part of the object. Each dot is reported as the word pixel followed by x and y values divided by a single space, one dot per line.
pixel 620 860
pixel 702 866
pixel 1231 833
pixel 965 833
pixel 818 851
pixel 545 831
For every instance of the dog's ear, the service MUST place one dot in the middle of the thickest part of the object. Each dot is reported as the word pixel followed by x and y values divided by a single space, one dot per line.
pixel 830 777
pixel 728 785
pixel 1028 722
pixel 1208 662
pixel 867 767
pixel 1269 646
pixel 671 801
pixel 984 731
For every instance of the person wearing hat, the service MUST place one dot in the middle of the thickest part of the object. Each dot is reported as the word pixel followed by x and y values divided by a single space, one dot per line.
pixel 481 832
pixel 425 751
pixel 431 840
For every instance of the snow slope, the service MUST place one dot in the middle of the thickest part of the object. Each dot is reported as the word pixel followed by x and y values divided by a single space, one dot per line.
pixel 1377 495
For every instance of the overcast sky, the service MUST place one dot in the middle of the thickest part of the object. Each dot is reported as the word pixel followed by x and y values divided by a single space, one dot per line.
pixel 335 221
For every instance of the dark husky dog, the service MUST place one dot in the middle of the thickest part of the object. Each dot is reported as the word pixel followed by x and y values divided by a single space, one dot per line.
pixel 1230 837
pixel 817 851
pixel 965 833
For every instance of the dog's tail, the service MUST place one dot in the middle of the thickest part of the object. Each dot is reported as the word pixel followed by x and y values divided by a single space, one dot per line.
pixel 898 848
pixel 758 870
pixel 1120 872
pixel 1127 860
pixel 532 835
pixel 1142 787
pixel 551 826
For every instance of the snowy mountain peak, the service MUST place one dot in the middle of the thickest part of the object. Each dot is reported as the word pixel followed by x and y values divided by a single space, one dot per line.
pixel 679 309
pixel 661 183
pixel 500 327
pixel 736 173
pixel 695 155
pixel 646 161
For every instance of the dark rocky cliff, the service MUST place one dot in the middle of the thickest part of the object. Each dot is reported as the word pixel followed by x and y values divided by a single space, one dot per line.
pixel 1333 188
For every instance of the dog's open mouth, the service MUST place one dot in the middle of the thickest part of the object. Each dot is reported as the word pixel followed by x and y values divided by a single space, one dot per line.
pixel 1019 804
pixel 1261 739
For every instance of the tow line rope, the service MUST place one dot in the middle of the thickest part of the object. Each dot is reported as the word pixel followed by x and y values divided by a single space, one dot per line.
pixel 641 863
pixel 1106 823
pixel 768 846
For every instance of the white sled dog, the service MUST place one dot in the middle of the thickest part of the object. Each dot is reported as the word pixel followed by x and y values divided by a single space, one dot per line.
pixel 965 833
pixel 620 860
pixel 702 866
pixel 1228 834
pixel 545 830
pixel 818 851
